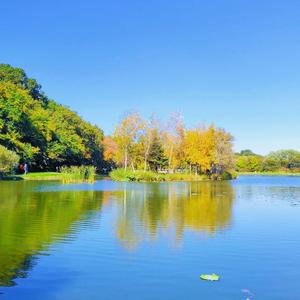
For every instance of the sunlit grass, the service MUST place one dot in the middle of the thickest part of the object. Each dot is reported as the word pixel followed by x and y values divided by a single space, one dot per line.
pixel 140 175
pixel 41 176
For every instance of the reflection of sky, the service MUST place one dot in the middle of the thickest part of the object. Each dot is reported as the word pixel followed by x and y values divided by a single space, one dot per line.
pixel 268 180
pixel 278 190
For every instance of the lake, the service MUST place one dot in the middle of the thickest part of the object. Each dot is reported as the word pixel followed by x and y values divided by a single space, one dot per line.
pixel 150 240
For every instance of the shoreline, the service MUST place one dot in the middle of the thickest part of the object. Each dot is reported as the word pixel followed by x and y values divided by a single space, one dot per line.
pixel 268 174
pixel 54 176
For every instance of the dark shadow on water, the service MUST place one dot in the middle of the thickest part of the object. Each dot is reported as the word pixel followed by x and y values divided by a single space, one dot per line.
pixel 11 178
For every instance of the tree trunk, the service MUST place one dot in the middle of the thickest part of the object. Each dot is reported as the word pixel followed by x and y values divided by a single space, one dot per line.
pixel 146 158
pixel 170 158
pixel 125 158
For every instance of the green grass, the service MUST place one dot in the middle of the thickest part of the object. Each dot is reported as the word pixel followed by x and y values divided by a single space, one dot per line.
pixel 41 176
pixel 67 175
pixel 275 173
pixel 149 176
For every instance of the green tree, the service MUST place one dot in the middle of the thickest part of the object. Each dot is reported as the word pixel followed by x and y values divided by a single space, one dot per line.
pixel 248 163
pixel 156 158
pixel 18 77
pixel 247 152
pixel 44 133
pixel 282 159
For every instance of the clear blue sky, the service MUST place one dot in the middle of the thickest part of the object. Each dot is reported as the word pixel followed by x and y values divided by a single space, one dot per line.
pixel 232 62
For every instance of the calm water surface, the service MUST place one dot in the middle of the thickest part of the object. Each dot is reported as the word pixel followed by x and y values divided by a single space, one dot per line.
pixel 150 241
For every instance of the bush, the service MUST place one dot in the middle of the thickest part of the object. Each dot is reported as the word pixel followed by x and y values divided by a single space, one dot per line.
pixel 78 174
pixel 228 175
pixel 8 160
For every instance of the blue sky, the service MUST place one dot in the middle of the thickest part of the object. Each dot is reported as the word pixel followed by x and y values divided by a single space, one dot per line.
pixel 232 62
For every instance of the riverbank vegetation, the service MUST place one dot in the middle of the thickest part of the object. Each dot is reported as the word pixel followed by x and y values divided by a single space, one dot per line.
pixel 75 174
pixel 43 133
pixel 41 176
pixel 153 151
pixel 150 176
pixel 282 162
pixel 47 136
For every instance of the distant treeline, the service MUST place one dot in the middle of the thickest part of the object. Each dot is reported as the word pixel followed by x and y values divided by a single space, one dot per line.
pixel 277 161
pixel 42 132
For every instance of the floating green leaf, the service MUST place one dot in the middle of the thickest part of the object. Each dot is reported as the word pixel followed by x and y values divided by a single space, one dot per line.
pixel 210 277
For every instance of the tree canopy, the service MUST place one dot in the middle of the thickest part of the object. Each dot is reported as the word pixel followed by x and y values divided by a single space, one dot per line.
pixel 42 132
pixel 153 146
pixel 281 160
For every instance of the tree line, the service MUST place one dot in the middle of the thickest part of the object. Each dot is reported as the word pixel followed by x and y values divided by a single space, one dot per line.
pixel 46 135
pixel 152 145
pixel 42 132
pixel 275 161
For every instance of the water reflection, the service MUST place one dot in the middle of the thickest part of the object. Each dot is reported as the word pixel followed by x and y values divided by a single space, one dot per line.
pixel 77 227
pixel 31 220
pixel 275 194
pixel 147 210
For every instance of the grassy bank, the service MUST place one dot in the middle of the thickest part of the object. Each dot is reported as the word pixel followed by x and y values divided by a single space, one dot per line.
pixel 41 176
pixel 277 173
pixel 67 175
pixel 149 176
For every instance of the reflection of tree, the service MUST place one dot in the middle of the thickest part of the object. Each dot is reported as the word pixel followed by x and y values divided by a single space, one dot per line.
pixel 31 221
pixel 199 206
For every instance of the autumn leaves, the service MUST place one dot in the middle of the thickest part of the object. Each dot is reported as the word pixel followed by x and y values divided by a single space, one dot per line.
pixel 151 145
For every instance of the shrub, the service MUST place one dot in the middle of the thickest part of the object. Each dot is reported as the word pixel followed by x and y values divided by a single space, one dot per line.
pixel 8 159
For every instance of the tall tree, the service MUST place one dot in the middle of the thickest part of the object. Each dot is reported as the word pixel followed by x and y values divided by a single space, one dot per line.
pixel 126 134
pixel 224 151
pixel 150 130
pixel 200 149
pixel 157 157
pixel 173 141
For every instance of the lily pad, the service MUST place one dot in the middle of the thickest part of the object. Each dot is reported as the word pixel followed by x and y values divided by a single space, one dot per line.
pixel 210 277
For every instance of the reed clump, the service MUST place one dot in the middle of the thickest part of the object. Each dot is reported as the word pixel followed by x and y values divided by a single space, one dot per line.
pixel 75 174
pixel 150 176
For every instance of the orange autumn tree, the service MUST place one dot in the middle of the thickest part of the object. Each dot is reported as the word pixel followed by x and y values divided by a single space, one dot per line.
pixel 110 150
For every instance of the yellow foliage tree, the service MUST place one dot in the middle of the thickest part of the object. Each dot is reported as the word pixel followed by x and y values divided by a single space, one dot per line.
pixel 126 134
pixel 200 148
